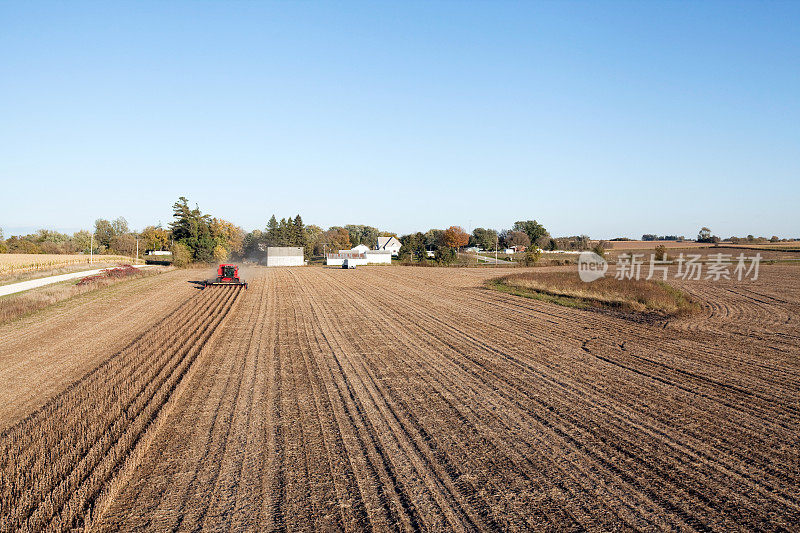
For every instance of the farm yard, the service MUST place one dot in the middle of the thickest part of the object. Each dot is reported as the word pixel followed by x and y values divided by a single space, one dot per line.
pixel 400 398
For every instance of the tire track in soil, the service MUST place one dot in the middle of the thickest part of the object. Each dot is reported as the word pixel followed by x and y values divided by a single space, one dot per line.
pixel 393 505
pixel 322 481
pixel 414 440
pixel 427 438
pixel 402 444
pixel 351 509
pixel 431 318
pixel 428 375
pixel 714 411
pixel 378 496
pixel 230 457
pixel 350 490
pixel 463 369
pixel 245 506
pixel 296 505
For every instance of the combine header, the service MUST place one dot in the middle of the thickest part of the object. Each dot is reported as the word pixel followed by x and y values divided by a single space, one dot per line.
pixel 227 275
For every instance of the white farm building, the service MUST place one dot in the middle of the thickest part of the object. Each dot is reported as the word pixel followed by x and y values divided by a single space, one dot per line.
pixel 357 256
pixel 361 249
pixel 285 256
pixel 389 244
pixel 363 255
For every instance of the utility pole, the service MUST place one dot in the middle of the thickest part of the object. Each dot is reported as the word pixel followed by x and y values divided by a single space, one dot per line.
pixel 137 251
pixel 496 239
pixel 91 249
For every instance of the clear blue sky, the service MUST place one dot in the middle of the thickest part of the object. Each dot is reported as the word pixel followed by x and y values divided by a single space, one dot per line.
pixel 604 118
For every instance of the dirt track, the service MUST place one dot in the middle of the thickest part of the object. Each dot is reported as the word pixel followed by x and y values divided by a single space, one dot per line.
pixel 392 398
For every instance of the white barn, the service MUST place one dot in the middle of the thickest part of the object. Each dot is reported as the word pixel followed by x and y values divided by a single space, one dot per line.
pixel 360 249
pixel 379 257
pixel 285 256
pixel 358 256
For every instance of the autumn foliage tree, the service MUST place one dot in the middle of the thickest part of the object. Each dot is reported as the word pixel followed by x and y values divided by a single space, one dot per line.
pixel 455 237
pixel 154 238
pixel 313 234
pixel 106 231
pixel 335 239
pixel 228 235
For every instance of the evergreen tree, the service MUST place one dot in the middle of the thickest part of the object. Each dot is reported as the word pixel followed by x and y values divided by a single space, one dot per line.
pixel 283 237
pixel 193 229
pixel 273 232
pixel 299 233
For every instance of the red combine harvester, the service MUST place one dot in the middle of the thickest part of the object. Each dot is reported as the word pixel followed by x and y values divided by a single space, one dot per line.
pixel 227 275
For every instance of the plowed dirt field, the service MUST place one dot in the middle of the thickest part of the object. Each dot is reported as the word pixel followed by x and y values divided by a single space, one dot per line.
pixel 416 399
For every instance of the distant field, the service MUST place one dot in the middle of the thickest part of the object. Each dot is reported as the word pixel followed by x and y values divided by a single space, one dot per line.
pixel 638 245
pixel 31 262
pixel 710 252
pixel 793 246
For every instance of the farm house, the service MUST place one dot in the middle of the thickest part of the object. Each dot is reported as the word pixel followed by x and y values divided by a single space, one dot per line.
pixel 389 244
pixel 285 256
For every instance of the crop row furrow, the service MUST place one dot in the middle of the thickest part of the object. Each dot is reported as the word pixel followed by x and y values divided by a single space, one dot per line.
pixel 67 465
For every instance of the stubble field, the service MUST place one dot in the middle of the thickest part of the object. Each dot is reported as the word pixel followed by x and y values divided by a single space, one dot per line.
pixel 410 398
pixel 16 263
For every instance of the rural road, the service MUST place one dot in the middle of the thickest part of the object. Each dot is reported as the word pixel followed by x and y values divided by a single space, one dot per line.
pixel 487 259
pixel 14 288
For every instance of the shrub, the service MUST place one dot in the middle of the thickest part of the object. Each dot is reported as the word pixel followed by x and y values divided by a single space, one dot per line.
pixel 181 255
pixel 660 252
pixel 532 256
pixel 445 256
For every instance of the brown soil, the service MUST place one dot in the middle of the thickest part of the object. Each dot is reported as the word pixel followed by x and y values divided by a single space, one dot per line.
pixel 407 398
pixel 42 353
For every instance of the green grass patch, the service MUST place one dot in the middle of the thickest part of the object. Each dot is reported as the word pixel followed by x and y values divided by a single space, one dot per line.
pixel 566 301
pixel 566 289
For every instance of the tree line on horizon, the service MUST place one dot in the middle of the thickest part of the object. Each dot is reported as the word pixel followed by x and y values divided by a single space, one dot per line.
pixel 194 236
